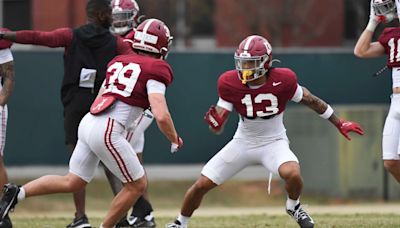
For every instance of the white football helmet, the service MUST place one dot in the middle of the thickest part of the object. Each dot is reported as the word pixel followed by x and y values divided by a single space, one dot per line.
pixel 125 15
pixel 385 8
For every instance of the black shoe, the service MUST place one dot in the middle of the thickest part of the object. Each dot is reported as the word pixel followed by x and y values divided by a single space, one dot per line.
pixel 81 222
pixel 123 223
pixel 301 217
pixel 9 200
pixel 6 223
pixel 137 222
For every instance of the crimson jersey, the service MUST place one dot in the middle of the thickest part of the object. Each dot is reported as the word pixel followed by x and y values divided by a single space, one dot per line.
pixel 390 39
pixel 130 35
pixel 266 101
pixel 127 77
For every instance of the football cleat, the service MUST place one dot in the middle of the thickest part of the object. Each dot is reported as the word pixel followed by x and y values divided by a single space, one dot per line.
pixel 175 224
pixel 141 222
pixel 6 223
pixel 9 200
pixel 123 223
pixel 81 222
pixel 301 217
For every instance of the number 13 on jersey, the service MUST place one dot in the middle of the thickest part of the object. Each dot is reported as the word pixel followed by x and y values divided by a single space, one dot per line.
pixel 268 110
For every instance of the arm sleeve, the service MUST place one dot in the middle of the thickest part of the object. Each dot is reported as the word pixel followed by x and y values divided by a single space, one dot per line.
pixel 225 104
pixel 123 48
pixel 5 56
pixel 61 37
pixel 298 95
pixel 154 86
pixel 293 87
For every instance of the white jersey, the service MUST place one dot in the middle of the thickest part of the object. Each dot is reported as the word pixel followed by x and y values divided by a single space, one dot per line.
pixel 261 130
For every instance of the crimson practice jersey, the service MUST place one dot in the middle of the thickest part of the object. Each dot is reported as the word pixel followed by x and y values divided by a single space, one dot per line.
pixel 127 76
pixel 266 101
pixel 390 40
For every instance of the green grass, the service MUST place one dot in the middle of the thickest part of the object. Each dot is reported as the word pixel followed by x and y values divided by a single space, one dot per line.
pixel 166 196
pixel 330 220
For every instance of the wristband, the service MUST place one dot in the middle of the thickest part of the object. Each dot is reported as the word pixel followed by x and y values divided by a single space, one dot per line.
pixel 328 113
pixel 371 26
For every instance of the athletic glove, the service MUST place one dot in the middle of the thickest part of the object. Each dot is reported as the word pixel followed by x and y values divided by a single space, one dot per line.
pixel 214 119
pixel 345 127
pixel 175 147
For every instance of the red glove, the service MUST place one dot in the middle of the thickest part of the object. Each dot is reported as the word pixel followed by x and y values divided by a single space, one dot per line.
pixel 215 120
pixel 345 127
pixel 4 44
pixel 175 147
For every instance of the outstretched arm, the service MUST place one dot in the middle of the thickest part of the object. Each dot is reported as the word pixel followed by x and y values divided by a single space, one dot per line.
pixel 7 72
pixel 61 37
pixel 325 111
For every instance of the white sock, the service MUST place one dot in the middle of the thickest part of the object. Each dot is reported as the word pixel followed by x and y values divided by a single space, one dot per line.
pixel 21 194
pixel 183 220
pixel 101 226
pixel 290 204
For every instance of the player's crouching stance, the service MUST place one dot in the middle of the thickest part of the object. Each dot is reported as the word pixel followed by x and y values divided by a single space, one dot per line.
pixel 259 95
pixel 133 83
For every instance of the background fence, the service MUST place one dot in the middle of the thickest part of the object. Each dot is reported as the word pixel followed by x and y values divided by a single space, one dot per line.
pixel 329 163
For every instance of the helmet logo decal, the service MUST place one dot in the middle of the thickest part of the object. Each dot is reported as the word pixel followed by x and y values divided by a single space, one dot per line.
pixel 268 47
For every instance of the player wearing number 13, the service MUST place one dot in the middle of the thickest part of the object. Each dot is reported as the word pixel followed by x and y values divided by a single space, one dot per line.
pixel 259 93
pixel 133 83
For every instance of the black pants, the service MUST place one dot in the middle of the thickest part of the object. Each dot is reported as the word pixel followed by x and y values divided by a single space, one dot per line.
pixel 74 111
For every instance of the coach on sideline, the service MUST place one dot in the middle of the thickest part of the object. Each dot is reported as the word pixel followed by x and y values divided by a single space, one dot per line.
pixel 88 49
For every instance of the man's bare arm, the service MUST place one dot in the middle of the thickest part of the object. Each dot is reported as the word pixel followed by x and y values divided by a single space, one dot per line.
pixel 317 104
pixel 163 118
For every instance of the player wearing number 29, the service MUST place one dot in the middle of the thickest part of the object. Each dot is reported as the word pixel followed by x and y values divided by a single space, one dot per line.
pixel 133 83
pixel 259 93
pixel 388 43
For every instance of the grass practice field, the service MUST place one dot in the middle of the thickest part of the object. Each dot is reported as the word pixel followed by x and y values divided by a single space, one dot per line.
pixel 235 204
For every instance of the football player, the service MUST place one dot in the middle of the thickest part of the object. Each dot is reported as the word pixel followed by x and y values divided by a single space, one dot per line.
pixel 133 83
pixel 6 88
pixel 126 17
pixel 259 94
pixel 87 50
pixel 388 44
